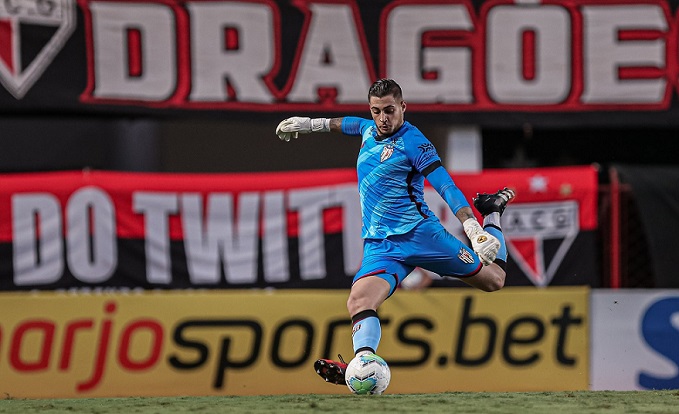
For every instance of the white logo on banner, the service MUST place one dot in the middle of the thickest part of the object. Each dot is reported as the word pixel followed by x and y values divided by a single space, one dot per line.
pixel 23 16
pixel 528 226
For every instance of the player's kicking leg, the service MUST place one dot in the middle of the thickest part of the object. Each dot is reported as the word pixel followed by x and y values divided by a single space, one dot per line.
pixel 491 207
pixel 492 277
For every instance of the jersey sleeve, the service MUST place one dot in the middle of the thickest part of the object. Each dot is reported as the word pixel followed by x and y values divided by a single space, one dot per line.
pixel 420 151
pixel 352 125
pixel 445 186
pixel 426 160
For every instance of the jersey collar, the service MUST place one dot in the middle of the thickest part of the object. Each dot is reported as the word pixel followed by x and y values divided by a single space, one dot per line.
pixel 398 134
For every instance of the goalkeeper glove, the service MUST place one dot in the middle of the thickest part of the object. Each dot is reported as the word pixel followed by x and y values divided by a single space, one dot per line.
pixel 291 127
pixel 484 244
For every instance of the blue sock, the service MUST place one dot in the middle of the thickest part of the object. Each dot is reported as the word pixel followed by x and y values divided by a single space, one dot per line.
pixel 366 331
pixel 491 224
pixel 502 253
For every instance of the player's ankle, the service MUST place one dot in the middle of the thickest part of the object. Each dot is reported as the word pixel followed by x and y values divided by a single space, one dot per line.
pixel 492 219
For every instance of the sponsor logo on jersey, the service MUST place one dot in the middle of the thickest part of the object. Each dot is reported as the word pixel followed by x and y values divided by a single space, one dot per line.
pixel 465 256
pixel 386 152
pixel 33 32
pixel 426 147
pixel 529 227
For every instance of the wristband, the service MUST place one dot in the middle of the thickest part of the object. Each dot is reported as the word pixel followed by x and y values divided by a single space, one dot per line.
pixel 320 125
pixel 472 228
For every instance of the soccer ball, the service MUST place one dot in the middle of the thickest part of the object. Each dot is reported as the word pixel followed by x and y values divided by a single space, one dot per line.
pixel 367 374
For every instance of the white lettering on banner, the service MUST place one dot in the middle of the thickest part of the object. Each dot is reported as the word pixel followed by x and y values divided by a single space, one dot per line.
pixel 220 239
pixel 310 204
pixel 245 59
pixel 333 55
pixel 211 238
pixel 275 238
pixel 156 208
pixel 352 247
pixel 409 53
pixel 605 54
pixel 533 56
pixel 92 252
pixel 36 217
pixel 546 220
pixel 206 241
pixel 111 26
pixel 543 77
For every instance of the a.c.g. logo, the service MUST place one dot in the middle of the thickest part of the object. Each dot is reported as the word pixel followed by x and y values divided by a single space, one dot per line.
pixel 32 32
pixel 527 226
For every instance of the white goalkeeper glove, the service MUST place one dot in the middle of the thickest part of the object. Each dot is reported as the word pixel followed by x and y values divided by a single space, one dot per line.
pixel 291 127
pixel 484 244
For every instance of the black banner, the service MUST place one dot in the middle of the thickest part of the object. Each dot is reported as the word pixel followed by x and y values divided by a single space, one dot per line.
pixel 553 62
pixel 656 191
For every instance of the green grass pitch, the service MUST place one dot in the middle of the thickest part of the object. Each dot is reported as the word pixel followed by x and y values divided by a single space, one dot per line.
pixel 577 402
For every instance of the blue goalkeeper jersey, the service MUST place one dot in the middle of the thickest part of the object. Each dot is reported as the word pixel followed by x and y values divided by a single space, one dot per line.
pixel 390 182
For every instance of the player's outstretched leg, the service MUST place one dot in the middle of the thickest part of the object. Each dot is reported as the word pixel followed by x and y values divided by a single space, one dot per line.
pixel 491 206
pixel 331 371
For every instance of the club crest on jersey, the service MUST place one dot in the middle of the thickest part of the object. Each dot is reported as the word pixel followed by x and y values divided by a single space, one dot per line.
pixel 23 55
pixel 386 152
pixel 465 256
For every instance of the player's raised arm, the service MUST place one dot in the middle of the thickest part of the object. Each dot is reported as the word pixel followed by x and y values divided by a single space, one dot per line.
pixel 484 244
pixel 292 127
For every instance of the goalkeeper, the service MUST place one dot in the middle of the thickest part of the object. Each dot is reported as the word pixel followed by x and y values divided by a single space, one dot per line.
pixel 399 231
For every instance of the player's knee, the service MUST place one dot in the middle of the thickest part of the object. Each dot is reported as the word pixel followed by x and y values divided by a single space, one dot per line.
pixel 367 293
pixel 490 279
pixel 360 302
pixel 355 304
pixel 495 285
pixel 496 282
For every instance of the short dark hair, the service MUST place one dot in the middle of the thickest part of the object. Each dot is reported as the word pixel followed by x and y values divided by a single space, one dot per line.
pixel 385 87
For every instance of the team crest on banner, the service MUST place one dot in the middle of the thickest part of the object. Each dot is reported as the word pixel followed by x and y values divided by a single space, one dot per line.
pixel 527 227
pixel 32 32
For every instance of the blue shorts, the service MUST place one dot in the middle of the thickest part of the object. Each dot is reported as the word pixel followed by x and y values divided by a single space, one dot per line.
pixel 428 245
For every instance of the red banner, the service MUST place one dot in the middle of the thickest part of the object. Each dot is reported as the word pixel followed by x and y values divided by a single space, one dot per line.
pixel 550 226
pixel 289 230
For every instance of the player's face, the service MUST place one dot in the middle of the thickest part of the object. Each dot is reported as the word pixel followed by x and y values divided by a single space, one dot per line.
pixel 387 113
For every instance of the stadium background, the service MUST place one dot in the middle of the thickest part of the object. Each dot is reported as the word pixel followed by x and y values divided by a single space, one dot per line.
pixel 65 108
